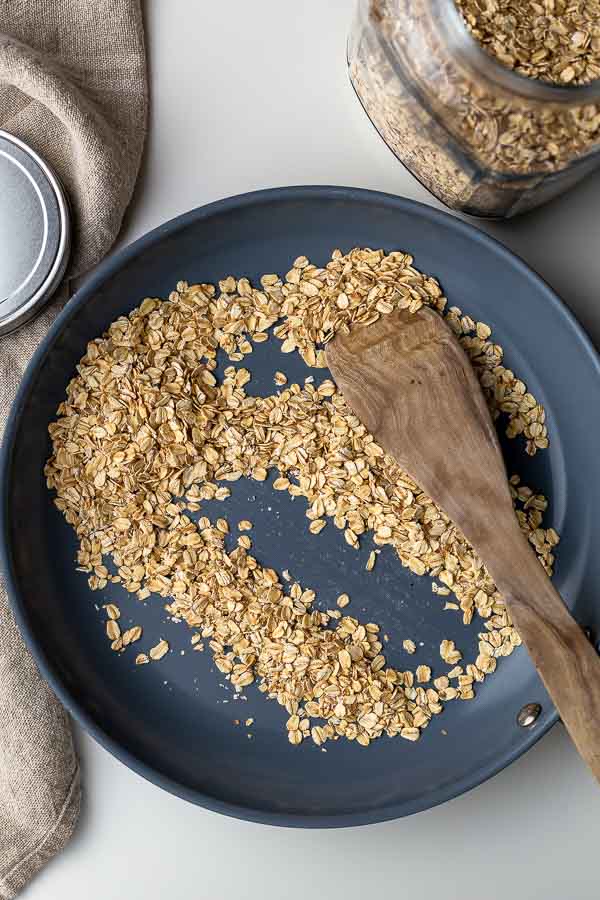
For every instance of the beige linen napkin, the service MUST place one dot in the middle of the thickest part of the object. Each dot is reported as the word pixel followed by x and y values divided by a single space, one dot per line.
pixel 73 86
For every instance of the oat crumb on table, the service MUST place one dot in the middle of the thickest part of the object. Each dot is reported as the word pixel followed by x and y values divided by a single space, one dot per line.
pixel 146 423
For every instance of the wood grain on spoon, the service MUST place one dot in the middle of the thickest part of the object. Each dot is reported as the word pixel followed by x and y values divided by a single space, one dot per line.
pixel 409 381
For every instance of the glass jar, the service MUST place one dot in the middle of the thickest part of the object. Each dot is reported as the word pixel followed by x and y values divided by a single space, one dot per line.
pixel 485 140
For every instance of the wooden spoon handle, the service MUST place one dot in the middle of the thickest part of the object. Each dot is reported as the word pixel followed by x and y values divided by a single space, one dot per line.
pixel 566 661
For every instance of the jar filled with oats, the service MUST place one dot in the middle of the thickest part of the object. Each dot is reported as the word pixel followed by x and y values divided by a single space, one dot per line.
pixel 494 105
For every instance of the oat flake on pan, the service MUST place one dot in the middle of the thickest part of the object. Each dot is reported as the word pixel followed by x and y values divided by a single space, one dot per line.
pixel 147 433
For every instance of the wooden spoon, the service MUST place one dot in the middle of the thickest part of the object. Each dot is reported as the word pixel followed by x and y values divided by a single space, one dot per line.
pixel 410 383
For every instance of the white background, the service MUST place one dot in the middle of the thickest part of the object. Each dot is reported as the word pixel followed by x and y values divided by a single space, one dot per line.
pixel 249 94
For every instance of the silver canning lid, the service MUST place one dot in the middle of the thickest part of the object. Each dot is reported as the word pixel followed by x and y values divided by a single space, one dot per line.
pixel 35 233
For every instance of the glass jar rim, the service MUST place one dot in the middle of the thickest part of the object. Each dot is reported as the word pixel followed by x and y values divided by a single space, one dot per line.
pixel 468 47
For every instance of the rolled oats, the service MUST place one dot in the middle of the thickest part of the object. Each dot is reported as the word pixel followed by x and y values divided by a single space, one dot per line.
pixel 146 422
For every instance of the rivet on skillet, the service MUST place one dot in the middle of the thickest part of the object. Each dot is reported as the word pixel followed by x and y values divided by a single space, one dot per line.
pixel 529 715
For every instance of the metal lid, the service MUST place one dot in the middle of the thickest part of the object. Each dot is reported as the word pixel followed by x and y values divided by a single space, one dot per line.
pixel 34 233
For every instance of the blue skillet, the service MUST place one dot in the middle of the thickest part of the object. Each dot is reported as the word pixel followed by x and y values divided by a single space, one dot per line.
pixel 172 722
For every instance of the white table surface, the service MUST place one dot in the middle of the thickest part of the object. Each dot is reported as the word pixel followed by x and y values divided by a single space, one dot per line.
pixel 248 95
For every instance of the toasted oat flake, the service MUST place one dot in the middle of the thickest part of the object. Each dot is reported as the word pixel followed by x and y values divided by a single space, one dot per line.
pixel 159 650
pixel 132 635
pixel 423 674
pixel 112 630
pixel 317 526
pixel 409 646
pixel 449 653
